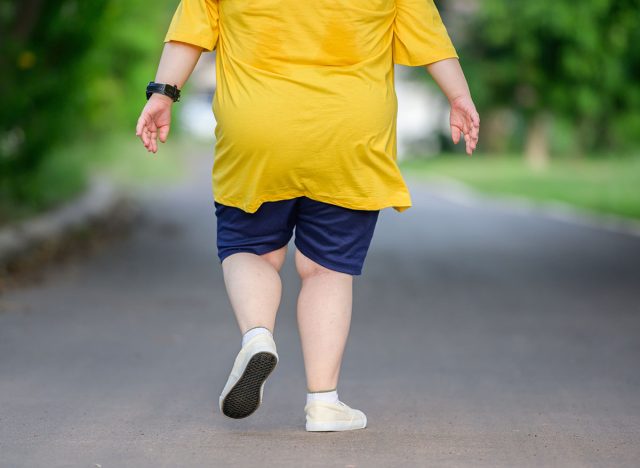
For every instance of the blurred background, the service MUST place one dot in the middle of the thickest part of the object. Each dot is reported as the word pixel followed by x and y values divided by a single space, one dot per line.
pixel 557 87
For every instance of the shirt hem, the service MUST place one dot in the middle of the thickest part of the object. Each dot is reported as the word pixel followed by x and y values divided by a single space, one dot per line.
pixel 364 204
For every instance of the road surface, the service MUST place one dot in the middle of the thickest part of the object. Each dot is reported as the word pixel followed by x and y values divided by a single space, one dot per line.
pixel 480 337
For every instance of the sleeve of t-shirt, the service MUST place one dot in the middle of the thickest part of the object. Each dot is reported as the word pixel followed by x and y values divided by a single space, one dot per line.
pixel 419 36
pixel 195 22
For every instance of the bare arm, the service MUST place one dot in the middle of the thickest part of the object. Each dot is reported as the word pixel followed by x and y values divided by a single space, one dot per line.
pixel 464 118
pixel 177 62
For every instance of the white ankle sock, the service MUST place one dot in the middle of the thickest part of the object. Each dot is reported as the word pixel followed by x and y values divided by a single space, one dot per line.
pixel 253 332
pixel 330 396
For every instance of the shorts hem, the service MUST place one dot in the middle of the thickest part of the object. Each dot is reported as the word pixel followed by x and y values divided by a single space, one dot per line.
pixel 328 264
pixel 257 251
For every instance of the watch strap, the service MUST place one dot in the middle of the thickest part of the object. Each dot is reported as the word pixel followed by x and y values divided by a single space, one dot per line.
pixel 162 88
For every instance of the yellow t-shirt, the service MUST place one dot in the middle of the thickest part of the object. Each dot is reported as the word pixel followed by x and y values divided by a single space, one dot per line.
pixel 305 101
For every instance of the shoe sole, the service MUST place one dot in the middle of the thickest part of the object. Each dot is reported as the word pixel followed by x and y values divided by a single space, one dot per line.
pixel 333 426
pixel 244 397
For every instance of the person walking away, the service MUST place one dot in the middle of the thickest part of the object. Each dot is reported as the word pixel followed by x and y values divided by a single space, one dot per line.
pixel 306 114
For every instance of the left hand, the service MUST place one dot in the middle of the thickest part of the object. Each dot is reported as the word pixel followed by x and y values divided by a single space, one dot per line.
pixel 464 120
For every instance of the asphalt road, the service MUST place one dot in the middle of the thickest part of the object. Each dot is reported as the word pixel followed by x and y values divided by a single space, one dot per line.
pixel 480 337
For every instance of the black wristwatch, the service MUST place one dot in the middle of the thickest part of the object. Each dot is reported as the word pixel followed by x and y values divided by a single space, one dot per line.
pixel 172 91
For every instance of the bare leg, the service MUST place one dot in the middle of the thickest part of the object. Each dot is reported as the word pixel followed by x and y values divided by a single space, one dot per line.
pixel 254 287
pixel 324 318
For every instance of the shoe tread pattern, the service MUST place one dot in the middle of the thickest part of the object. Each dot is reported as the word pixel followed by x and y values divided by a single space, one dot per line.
pixel 244 398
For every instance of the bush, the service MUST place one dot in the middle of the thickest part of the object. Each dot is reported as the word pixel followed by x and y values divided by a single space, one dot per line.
pixel 578 62
pixel 71 69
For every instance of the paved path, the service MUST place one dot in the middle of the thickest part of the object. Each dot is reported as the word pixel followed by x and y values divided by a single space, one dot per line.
pixel 479 338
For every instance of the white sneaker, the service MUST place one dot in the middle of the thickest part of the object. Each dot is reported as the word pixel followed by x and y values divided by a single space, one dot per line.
pixel 325 416
pixel 242 393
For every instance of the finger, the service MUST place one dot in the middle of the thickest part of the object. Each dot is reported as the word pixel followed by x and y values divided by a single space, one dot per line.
pixel 146 136
pixel 154 141
pixel 163 133
pixel 473 137
pixel 467 135
pixel 150 143
pixel 139 126
pixel 152 134
pixel 474 143
pixel 468 122
pixel 475 134
pixel 147 122
pixel 475 131
pixel 475 117
pixel 455 134
pixel 149 126
pixel 475 124
pixel 142 130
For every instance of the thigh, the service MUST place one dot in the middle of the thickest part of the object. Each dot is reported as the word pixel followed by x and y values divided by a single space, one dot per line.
pixel 268 229
pixel 333 236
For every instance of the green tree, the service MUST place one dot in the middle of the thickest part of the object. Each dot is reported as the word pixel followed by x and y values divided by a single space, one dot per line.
pixel 42 74
pixel 70 69
pixel 577 61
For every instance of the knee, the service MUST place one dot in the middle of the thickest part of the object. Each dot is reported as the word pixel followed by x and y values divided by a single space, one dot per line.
pixel 276 258
pixel 307 268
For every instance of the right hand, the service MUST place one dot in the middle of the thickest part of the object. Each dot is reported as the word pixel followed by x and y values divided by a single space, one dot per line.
pixel 464 120
pixel 154 121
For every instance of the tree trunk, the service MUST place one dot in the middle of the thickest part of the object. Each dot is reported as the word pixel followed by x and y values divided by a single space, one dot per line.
pixel 537 142
pixel 26 17
pixel 498 127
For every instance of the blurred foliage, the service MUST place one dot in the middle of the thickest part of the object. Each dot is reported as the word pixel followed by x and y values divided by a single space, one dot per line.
pixel 74 72
pixel 71 70
pixel 580 62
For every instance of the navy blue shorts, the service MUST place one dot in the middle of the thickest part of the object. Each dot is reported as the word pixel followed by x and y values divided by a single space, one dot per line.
pixel 336 237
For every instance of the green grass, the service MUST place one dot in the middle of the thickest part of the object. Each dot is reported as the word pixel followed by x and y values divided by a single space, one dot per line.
pixel 125 161
pixel 604 185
